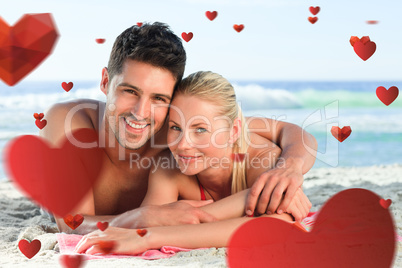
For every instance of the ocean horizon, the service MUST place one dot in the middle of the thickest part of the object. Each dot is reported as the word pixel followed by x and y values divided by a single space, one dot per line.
pixel 376 137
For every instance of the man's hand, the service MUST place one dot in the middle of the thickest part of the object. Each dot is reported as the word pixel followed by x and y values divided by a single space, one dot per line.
pixel 270 186
pixel 176 213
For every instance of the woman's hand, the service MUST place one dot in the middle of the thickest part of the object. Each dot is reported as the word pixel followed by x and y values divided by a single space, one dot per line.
pixel 113 240
pixel 299 206
pixel 269 189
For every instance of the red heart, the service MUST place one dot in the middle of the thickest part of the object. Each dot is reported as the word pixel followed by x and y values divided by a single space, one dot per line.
pixel 38 116
pixel 40 124
pixel 72 261
pixel 73 222
pixel 25 45
pixel 354 39
pixel 100 40
pixel 341 134
pixel 56 178
pixel 29 249
pixel 106 246
pixel 387 96
pixel 187 36
pixel 139 24
pixel 351 230
pixel 142 232
pixel 211 15
pixel 385 203
pixel 364 50
pixel 238 157
pixel 314 10
pixel 365 39
pixel 238 28
pixel 312 19
pixel 102 225
pixel 67 87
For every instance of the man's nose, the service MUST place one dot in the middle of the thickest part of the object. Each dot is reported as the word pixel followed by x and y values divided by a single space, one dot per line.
pixel 142 109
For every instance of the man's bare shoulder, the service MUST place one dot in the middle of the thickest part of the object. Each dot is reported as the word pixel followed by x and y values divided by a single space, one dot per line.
pixel 80 107
pixel 68 116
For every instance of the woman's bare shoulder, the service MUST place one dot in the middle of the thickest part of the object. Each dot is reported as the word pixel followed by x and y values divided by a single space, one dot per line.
pixel 166 168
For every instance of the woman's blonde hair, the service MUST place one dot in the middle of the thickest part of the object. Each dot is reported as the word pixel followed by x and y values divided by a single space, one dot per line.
pixel 213 87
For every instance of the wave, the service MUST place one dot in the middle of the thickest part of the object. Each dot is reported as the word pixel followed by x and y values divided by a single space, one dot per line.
pixel 41 101
pixel 251 95
pixel 254 97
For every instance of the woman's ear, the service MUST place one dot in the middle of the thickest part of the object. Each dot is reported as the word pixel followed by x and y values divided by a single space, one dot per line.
pixel 235 133
pixel 105 81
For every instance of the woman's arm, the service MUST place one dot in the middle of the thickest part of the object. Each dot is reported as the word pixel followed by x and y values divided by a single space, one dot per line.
pixel 228 207
pixel 126 241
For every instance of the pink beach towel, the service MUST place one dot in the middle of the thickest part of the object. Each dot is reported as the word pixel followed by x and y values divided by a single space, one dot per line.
pixel 68 242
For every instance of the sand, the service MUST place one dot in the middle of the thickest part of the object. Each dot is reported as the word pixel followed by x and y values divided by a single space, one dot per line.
pixel 20 218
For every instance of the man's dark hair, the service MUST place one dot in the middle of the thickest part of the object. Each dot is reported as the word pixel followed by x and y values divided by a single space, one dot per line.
pixel 154 44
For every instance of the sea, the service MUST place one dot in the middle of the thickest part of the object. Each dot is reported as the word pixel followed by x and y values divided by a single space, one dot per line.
pixel 316 106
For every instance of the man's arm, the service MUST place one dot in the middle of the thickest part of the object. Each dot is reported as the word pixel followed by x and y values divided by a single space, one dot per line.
pixel 215 234
pixel 62 120
pixel 287 176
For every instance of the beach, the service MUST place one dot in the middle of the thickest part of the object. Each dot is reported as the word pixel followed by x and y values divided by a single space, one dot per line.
pixel 369 158
pixel 21 219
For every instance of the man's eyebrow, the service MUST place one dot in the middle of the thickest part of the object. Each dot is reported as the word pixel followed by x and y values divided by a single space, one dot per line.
pixel 131 86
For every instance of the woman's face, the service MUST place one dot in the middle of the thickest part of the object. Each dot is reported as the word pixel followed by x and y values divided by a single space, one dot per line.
pixel 199 137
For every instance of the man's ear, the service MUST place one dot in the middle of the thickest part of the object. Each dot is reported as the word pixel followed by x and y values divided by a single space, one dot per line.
pixel 235 133
pixel 105 81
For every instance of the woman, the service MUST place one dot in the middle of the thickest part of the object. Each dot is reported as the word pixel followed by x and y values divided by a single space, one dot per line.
pixel 217 160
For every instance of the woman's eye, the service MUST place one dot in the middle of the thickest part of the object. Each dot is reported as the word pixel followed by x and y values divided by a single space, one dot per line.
pixel 200 130
pixel 175 128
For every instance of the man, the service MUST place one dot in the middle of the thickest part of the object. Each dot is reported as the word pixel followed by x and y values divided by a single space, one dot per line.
pixel 145 65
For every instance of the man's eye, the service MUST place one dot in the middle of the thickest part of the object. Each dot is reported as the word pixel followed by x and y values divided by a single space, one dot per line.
pixel 130 91
pixel 160 99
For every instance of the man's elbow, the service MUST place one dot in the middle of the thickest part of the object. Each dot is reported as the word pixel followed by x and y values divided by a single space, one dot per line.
pixel 310 140
pixel 64 228
pixel 314 143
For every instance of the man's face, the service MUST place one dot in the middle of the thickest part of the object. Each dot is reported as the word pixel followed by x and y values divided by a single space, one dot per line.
pixel 137 102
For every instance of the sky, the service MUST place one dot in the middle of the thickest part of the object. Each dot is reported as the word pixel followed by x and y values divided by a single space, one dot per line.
pixel 278 43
